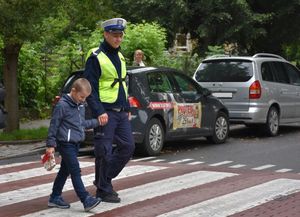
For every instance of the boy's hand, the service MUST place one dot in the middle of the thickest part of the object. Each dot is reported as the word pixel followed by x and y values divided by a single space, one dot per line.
pixel 50 150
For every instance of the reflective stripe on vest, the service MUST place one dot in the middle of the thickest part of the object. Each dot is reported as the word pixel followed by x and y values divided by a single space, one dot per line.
pixel 109 93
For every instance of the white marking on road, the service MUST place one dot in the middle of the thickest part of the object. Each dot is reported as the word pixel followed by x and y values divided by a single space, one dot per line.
pixel 180 161
pixel 157 160
pixel 37 191
pixel 143 159
pixel 263 167
pixel 239 201
pixel 16 164
pixel 25 174
pixel 141 193
pixel 220 163
pixel 237 166
pixel 196 163
pixel 283 170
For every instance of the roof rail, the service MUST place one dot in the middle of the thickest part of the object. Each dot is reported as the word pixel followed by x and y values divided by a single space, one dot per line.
pixel 267 55
pixel 218 55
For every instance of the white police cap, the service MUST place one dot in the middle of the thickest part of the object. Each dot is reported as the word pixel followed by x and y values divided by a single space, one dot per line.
pixel 114 25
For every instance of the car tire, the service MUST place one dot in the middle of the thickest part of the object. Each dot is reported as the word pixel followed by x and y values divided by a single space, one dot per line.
pixel 153 139
pixel 220 129
pixel 272 125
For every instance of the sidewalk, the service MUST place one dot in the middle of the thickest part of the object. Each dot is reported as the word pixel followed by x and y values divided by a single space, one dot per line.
pixel 18 149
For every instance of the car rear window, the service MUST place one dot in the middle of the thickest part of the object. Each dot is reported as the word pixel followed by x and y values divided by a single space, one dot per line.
pixel 224 71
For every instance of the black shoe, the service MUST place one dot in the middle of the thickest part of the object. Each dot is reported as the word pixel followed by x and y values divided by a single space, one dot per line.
pixel 115 193
pixel 108 197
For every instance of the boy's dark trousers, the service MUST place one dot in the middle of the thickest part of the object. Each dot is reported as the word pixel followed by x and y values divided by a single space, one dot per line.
pixel 69 166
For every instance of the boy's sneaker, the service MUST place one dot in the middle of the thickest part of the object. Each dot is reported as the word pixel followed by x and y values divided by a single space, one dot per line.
pixel 90 203
pixel 58 202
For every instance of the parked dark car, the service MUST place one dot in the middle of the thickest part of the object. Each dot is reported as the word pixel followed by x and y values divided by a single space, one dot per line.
pixel 168 105
pixel 3 112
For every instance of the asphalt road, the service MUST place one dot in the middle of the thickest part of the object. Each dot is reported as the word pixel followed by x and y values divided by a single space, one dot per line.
pixel 246 147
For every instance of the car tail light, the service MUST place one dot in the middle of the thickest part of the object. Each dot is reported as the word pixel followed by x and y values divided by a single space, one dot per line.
pixel 55 101
pixel 255 90
pixel 134 102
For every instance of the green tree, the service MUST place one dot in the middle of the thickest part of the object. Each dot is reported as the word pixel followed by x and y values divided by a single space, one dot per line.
pixel 149 37
pixel 21 21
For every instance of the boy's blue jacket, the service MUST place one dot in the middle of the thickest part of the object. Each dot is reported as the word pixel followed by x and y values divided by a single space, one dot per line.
pixel 68 122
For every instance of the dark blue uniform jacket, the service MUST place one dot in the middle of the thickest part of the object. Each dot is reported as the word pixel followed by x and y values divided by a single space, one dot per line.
pixel 93 72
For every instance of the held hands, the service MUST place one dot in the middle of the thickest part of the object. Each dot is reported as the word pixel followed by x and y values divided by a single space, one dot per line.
pixel 103 119
pixel 50 150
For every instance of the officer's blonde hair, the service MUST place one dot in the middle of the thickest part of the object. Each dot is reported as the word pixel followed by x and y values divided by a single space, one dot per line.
pixel 82 84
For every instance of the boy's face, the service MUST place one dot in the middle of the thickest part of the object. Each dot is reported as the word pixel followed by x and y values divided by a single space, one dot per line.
pixel 79 96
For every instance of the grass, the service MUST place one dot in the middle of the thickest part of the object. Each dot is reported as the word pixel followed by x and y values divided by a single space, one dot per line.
pixel 25 134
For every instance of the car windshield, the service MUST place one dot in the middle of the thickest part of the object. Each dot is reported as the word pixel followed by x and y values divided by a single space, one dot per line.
pixel 224 71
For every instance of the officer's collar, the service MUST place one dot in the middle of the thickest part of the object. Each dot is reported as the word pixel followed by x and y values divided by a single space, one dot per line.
pixel 108 48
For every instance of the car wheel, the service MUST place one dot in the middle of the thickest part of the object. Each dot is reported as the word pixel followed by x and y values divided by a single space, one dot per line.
pixel 154 138
pixel 220 130
pixel 272 124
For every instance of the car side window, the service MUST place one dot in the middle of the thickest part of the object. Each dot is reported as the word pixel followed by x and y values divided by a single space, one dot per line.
pixel 293 74
pixel 159 82
pixel 185 85
pixel 280 73
pixel 266 72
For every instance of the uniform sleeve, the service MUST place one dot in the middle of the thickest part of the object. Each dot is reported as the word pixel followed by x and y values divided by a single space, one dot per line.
pixel 56 119
pixel 92 73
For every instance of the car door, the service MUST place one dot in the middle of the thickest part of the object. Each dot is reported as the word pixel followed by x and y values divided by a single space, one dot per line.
pixel 294 77
pixel 190 112
pixel 161 98
pixel 287 93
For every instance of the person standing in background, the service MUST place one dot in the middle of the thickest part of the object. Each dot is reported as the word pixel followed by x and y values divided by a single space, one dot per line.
pixel 138 58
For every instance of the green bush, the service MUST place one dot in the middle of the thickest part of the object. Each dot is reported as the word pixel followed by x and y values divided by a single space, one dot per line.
pixel 25 134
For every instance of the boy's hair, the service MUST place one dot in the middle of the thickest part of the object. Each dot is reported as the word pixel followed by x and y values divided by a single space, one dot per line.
pixel 82 84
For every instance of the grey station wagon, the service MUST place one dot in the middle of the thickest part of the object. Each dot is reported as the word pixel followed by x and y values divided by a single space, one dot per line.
pixel 263 89
pixel 168 105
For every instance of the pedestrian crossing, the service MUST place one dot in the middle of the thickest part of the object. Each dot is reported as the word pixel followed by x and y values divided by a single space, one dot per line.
pixel 148 189
pixel 229 163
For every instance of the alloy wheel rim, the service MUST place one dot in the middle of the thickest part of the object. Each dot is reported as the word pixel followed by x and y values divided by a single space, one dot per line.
pixel 221 128
pixel 274 122
pixel 155 137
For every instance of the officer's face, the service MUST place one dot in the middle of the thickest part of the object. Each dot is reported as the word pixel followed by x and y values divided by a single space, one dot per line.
pixel 114 38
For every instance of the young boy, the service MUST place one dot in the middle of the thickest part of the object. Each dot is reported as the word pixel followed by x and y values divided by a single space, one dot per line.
pixel 65 133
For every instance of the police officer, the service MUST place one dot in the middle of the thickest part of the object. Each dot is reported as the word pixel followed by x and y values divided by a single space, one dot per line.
pixel 106 70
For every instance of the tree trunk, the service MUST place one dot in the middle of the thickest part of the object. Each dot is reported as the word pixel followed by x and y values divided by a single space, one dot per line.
pixel 10 78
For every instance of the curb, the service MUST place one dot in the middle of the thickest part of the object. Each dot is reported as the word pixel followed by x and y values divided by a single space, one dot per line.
pixel 40 150
pixel 17 142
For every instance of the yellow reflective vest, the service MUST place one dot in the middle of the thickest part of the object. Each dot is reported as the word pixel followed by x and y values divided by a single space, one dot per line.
pixel 109 81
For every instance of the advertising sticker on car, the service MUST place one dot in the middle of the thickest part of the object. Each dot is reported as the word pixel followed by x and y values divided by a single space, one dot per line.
pixel 187 115
pixel 160 105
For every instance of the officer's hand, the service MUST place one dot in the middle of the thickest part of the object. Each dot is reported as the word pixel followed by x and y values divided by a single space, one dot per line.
pixel 103 119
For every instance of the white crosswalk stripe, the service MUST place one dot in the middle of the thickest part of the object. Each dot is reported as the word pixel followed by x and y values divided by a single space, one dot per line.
pixel 45 189
pixel 9 177
pixel 238 201
pixel 142 183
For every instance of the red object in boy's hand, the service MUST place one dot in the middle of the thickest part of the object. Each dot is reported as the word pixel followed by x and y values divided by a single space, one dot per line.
pixel 48 160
